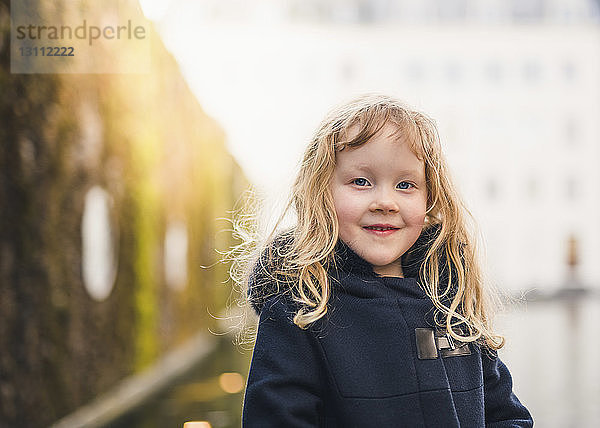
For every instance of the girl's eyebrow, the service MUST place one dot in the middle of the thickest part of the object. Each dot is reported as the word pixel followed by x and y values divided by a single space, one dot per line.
pixel 353 168
pixel 412 173
pixel 362 167
pixel 405 172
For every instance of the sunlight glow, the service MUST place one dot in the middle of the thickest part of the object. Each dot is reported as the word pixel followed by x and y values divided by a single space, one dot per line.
pixel 155 9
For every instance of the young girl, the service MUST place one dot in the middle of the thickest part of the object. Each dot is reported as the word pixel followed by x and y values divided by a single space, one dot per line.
pixel 373 312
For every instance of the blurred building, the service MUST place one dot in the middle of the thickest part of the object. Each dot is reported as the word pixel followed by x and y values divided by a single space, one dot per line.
pixel 513 85
pixel 111 187
pixel 427 12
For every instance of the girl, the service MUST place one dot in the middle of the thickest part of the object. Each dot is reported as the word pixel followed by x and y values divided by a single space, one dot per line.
pixel 373 312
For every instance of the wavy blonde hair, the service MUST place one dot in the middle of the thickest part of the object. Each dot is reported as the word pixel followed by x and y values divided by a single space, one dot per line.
pixel 304 262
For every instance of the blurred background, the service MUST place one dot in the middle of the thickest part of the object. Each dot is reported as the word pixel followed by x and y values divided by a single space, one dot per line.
pixel 115 187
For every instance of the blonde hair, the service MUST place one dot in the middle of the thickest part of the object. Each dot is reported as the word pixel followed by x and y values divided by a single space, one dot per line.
pixel 301 267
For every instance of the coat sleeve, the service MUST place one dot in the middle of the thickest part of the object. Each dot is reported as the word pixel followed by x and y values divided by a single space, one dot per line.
pixel 283 388
pixel 502 407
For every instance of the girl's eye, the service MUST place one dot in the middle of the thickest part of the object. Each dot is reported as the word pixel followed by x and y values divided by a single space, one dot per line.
pixel 404 185
pixel 360 182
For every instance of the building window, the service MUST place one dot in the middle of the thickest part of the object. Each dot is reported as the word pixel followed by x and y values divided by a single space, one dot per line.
pixel 453 72
pixel 569 71
pixel 491 189
pixel 452 10
pixel 99 244
pixel 527 10
pixel 348 70
pixel 176 255
pixel 532 188
pixel 532 71
pixel 493 71
pixel 414 72
pixel 572 189
pixel 571 132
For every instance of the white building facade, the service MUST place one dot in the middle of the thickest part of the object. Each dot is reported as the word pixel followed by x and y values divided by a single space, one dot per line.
pixel 513 85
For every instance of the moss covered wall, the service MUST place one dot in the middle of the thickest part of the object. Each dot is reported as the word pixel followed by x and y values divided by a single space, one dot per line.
pixel 161 159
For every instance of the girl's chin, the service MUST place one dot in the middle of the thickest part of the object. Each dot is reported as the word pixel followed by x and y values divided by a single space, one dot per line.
pixel 383 263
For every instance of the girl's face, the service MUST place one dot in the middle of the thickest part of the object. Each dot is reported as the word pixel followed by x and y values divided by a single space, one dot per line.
pixel 380 199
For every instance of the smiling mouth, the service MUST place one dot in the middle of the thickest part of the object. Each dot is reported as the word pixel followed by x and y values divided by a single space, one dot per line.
pixel 380 228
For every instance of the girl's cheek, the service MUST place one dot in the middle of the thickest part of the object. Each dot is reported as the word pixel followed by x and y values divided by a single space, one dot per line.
pixel 418 215
pixel 417 220
pixel 343 209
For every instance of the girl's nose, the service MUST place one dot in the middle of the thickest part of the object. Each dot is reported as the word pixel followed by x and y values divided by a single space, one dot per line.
pixel 384 203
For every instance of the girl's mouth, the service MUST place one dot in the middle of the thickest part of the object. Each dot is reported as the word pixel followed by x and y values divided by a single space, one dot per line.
pixel 381 227
pixel 381 230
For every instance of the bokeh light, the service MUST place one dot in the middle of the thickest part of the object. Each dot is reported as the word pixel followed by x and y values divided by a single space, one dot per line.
pixel 231 383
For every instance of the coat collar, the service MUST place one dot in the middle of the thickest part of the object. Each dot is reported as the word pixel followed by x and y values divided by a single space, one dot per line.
pixel 356 276
pixel 263 284
pixel 347 260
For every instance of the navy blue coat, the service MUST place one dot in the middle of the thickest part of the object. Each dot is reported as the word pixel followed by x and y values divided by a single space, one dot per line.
pixel 361 366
